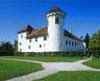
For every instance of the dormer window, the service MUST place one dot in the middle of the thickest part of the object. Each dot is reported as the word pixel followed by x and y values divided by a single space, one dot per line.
pixel 56 20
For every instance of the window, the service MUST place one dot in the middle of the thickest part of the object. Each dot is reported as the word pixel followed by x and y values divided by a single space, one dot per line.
pixel 75 44
pixel 72 43
pixel 29 47
pixel 40 46
pixel 20 43
pixel 45 38
pixel 21 36
pixel 36 39
pixel 69 43
pixel 56 20
pixel 66 42
pixel 30 40
pixel 20 50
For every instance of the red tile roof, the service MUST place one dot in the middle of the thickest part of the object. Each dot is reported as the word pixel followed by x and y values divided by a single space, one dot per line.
pixel 55 9
pixel 34 33
pixel 43 31
pixel 27 28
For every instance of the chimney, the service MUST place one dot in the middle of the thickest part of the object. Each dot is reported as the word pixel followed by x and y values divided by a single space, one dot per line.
pixel 71 31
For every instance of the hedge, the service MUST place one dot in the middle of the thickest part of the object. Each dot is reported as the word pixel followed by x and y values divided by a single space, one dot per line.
pixel 94 53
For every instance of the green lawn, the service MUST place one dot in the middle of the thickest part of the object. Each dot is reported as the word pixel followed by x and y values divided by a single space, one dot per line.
pixel 73 76
pixel 10 69
pixel 49 58
pixel 93 63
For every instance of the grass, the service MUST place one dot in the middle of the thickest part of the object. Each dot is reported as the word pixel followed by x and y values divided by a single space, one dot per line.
pixel 49 58
pixel 10 69
pixel 73 76
pixel 93 63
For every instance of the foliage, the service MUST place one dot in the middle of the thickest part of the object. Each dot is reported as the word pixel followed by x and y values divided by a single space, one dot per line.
pixel 15 47
pixel 76 53
pixel 95 53
pixel 86 40
pixel 95 42
pixel 10 69
pixel 73 76
pixel 6 47
pixel 52 54
pixel 93 63
pixel 94 46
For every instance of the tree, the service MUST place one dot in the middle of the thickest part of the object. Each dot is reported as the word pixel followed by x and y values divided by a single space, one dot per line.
pixel 86 40
pixel 6 47
pixel 15 46
pixel 95 42
pixel 94 46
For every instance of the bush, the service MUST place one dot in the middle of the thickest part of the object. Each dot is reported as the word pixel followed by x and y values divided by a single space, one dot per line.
pixel 94 53
pixel 53 54
pixel 6 53
pixel 76 53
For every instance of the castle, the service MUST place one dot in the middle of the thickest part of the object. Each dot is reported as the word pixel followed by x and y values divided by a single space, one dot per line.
pixel 52 38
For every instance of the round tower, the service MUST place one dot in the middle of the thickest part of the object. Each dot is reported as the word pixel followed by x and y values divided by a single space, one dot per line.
pixel 55 19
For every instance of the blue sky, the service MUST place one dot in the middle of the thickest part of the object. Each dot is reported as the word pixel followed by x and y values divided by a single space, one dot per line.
pixel 83 16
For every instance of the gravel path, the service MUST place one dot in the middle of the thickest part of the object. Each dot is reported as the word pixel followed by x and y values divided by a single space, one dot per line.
pixel 50 68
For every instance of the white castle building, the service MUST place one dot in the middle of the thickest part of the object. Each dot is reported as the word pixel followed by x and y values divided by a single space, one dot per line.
pixel 52 38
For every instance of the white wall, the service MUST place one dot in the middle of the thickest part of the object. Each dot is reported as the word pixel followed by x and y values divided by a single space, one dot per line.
pixel 55 31
pixel 34 46
pixel 67 47
pixel 45 45
pixel 56 41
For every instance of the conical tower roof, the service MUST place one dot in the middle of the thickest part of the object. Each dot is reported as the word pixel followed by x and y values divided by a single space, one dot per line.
pixel 56 9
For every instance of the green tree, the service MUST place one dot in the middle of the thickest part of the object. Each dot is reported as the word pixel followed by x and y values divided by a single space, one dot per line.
pixel 94 46
pixel 6 47
pixel 95 42
pixel 86 40
pixel 15 46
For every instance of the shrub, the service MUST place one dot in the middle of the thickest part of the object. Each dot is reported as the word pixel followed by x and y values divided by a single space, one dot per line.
pixel 53 54
pixel 6 53
pixel 94 53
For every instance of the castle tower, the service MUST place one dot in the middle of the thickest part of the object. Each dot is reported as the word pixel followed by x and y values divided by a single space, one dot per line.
pixel 55 19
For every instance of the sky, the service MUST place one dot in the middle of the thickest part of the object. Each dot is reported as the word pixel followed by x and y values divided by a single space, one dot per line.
pixel 83 16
